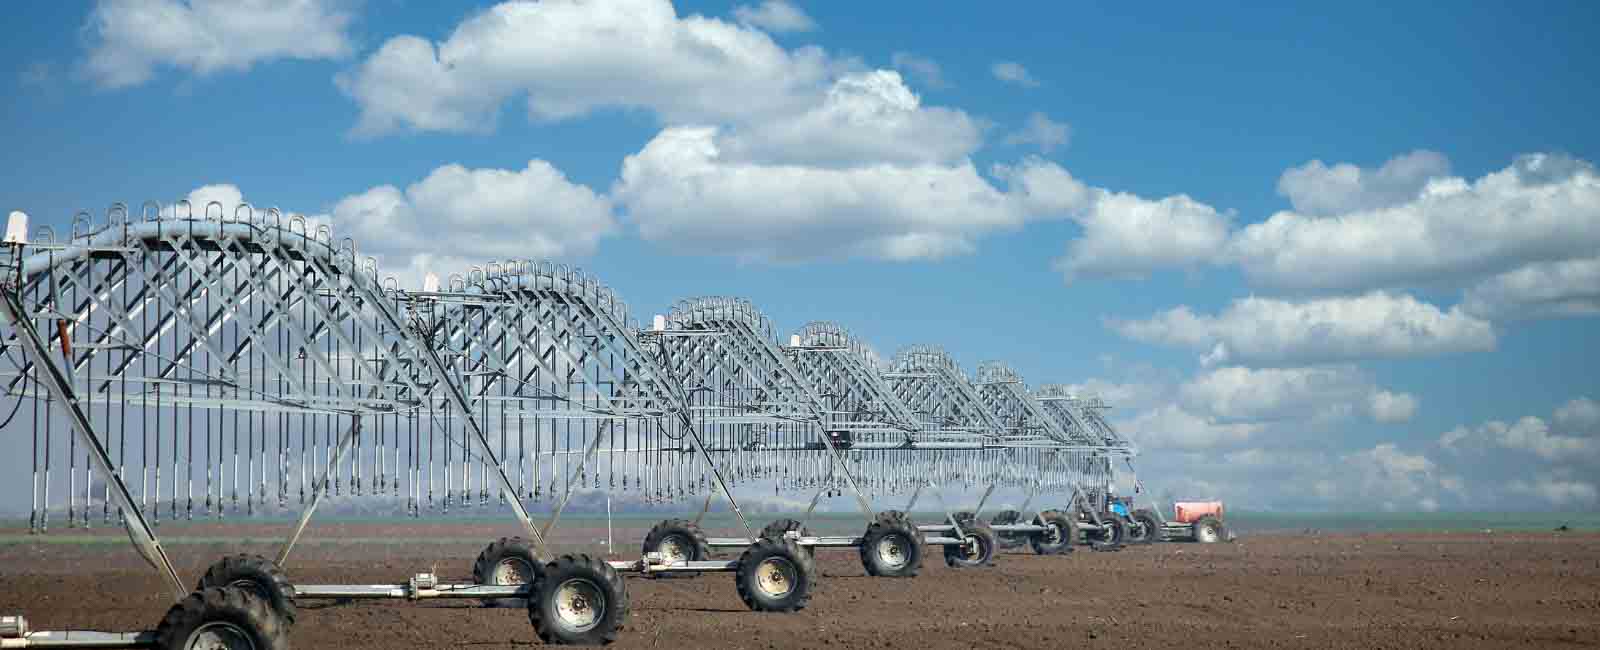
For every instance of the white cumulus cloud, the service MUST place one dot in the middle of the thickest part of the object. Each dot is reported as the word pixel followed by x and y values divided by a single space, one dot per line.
pixel 1537 290
pixel 864 118
pixel 1170 427
pixel 566 58
pixel 1127 236
pixel 1543 207
pixel 226 196
pixel 1394 479
pixel 1581 414
pixel 129 39
pixel 683 191
pixel 1520 240
pixel 1258 330
pixel 1530 434
pixel 1557 492
pixel 457 217
pixel 1319 189
pixel 775 16
pixel 1390 408
pixel 1239 394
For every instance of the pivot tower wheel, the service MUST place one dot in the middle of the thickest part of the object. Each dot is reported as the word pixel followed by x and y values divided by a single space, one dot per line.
pixel 781 527
pixel 677 540
pixel 1145 528
pixel 1057 536
pixel 222 618
pixel 507 561
pixel 1209 530
pixel 774 575
pixel 257 575
pixel 891 548
pixel 580 600
pixel 977 547
pixel 1112 532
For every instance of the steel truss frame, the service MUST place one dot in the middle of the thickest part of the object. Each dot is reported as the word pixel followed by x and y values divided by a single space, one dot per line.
pixel 278 353
pixel 950 405
pixel 256 324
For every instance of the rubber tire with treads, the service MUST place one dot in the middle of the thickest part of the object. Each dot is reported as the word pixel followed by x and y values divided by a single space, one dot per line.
pixel 1151 525
pixel 690 535
pixel 257 574
pixel 1113 534
pixel 1006 518
pixel 1220 532
pixel 956 557
pixel 746 578
pixel 1063 544
pixel 778 528
pixel 506 549
pixel 239 608
pixel 890 524
pixel 543 608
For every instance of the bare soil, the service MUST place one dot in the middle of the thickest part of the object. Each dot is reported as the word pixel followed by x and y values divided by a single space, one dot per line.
pixel 1402 590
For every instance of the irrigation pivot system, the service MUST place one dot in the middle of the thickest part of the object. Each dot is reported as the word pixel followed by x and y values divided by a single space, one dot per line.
pixel 214 362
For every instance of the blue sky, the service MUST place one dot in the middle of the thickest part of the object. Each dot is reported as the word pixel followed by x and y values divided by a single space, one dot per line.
pixel 1104 178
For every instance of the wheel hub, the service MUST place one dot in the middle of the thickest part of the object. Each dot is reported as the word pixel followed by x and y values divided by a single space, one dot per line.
pixel 512 571
pixel 579 604
pixel 892 551
pixel 220 635
pixel 775 577
pixel 673 550
pixel 973 548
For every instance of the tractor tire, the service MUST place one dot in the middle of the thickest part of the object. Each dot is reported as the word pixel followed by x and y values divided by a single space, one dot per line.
pixel 1113 534
pixel 233 618
pixel 979 548
pixel 581 600
pixel 1209 530
pixel 1007 518
pixel 1147 528
pixel 508 561
pixel 778 528
pixel 891 548
pixel 1059 539
pixel 677 540
pixel 775 575
pixel 257 575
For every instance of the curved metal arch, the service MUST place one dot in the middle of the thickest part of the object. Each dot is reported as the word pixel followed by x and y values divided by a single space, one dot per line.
pixel 691 313
pixel 925 358
pixel 828 334
pixel 539 276
pixel 750 392
pixel 846 375
pixel 548 341
pixel 261 320
pixel 201 275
